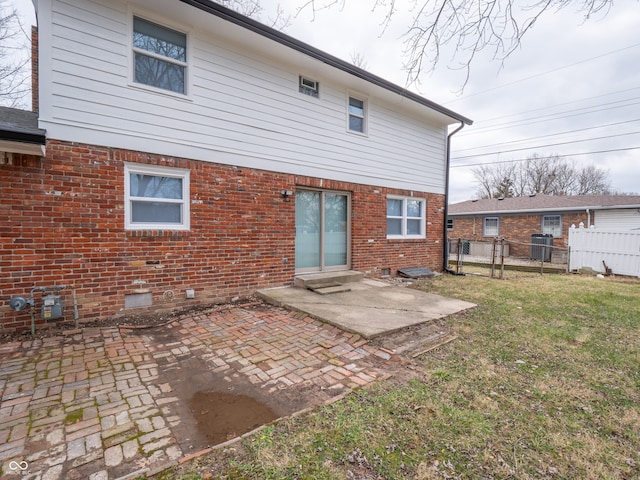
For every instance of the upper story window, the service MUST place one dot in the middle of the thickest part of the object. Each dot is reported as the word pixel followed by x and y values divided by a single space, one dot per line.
pixel 552 224
pixel 159 56
pixel 156 198
pixel 406 217
pixel 491 226
pixel 357 114
pixel 308 86
pixel 450 224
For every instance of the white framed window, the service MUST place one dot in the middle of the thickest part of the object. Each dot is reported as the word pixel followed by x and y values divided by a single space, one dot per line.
pixel 156 198
pixel 159 56
pixel 406 217
pixel 450 224
pixel 491 226
pixel 357 114
pixel 552 224
pixel 308 86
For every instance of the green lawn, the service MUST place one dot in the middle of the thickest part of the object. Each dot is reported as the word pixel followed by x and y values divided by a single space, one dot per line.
pixel 542 382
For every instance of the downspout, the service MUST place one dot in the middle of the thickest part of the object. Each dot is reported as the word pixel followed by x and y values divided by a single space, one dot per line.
pixel 588 218
pixel 445 233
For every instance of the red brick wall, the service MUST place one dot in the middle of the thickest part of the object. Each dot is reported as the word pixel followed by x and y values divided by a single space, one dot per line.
pixel 516 229
pixel 62 222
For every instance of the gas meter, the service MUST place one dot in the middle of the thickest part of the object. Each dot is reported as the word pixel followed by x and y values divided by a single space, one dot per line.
pixel 51 307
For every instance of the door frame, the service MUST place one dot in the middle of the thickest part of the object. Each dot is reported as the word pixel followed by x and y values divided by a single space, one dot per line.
pixel 322 267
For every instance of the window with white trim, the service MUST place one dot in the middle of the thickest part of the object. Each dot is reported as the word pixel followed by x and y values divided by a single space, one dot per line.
pixel 491 226
pixel 552 224
pixel 357 109
pixel 156 198
pixel 450 224
pixel 406 217
pixel 159 56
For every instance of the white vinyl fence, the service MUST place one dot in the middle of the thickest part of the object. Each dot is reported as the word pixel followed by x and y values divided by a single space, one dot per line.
pixel 620 250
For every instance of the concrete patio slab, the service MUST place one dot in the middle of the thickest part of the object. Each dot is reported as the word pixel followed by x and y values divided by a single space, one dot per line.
pixel 370 309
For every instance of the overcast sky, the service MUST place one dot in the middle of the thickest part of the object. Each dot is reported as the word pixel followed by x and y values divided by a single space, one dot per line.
pixel 572 88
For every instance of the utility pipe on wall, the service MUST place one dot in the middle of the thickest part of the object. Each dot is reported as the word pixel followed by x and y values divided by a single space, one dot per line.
pixel 445 236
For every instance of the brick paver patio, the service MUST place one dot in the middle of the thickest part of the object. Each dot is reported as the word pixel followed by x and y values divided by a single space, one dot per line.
pixel 94 404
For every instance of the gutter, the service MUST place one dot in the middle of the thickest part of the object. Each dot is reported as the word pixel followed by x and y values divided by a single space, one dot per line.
pixel 445 232
pixel 573 208
pixel 288 41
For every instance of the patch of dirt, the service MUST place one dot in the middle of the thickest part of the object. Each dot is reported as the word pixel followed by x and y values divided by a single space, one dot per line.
pixel 223 416
pixel 130 320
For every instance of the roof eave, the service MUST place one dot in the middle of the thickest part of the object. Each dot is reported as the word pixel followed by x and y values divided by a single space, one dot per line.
pixel 277 36
pixel 545 210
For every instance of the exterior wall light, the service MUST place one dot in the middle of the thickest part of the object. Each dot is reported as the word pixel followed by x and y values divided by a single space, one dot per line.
pixel 286 194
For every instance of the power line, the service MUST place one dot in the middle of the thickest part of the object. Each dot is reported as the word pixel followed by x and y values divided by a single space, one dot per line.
pixel 626 122
pixel 558 156
pixel 545 146
pixel 542 73
pixel 549 117
pixel 558 105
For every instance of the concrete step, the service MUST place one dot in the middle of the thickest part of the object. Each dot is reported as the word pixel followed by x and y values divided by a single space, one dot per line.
pixel 327 279
pixel 330 290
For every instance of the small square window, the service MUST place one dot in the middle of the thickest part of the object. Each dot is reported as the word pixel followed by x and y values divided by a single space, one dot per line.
pixel 156 198
pixel 357 115
pixel 552 225
pixel 308 87
pixel 406 217
pixel 159 56
pixel 491 227
pixel 450 224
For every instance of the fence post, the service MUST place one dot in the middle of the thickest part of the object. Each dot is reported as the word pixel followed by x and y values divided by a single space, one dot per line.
pixel 493 256
pixel 502 259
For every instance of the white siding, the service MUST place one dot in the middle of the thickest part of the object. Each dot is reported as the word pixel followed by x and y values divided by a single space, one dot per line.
pixel 618 219
pixel 242 108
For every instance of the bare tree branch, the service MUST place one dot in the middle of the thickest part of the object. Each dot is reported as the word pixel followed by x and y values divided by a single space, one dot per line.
pixel 468 27
pixel 14 60
pixel 551 175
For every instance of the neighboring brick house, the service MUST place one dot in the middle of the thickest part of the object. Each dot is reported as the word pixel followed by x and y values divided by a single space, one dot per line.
pixel 517 219
pixel 194 152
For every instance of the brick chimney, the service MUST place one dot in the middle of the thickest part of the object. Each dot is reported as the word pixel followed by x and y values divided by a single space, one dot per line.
pixel 35 103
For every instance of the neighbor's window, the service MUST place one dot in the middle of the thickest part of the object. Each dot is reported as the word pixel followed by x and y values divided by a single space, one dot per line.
pixel 159 56
pixel 156 198
pixel 552 224
pixel 449 223
pixel 491 227
pixel 406 217
pixel 357 111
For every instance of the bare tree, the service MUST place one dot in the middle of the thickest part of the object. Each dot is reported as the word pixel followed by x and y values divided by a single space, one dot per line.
pixel 495 181
pixel 253 9
pixel 593 180
pixel 467 26
pixel 547 175
pixel 358 60
pixel 14 59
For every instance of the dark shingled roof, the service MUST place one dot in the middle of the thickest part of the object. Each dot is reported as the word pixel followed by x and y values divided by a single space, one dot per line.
pixel 542 203
pixel 20 126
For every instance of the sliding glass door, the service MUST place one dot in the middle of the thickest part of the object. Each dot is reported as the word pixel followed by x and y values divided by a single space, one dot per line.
pixel 322 231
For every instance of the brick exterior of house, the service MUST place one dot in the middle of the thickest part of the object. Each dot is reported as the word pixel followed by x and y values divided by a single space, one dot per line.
pixel 515 229
pixel 63 223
